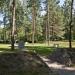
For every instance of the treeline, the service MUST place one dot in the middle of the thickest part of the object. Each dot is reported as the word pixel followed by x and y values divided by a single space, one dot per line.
pixel 36 20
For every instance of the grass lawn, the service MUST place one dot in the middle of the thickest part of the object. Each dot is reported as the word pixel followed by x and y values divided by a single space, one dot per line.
pixel 62 44
pixel 40 48
pixel 4 47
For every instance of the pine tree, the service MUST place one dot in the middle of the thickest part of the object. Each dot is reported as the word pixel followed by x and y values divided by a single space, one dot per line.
pixel 13 26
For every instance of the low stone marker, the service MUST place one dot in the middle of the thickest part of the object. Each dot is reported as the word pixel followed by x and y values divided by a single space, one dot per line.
pixel 21 44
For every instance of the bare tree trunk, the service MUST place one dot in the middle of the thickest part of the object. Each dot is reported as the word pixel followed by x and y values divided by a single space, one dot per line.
pixel 13 27
pixel 5 28
pixel 33 21
pixel 48 23
pixel 4 19
pixel 46 32
pixel 52 32
pixel 70 28
pixel 70 35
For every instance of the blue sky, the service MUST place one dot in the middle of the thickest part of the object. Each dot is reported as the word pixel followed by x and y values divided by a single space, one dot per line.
pixel 62 2
pixel 1 17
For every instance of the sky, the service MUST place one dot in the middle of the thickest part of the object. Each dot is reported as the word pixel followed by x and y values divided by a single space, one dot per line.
pixel 1 17
pixel 62 2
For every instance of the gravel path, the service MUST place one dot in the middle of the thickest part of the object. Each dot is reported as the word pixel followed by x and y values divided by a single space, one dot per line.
pixel 58 68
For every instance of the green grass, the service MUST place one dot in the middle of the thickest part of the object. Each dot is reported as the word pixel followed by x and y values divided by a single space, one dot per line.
pixel 62 44
pixel 40 49
pixel 4 47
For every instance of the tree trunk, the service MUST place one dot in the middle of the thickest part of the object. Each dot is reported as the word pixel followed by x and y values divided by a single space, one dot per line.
pixel 5 28
pixel 70 35
pixel 46 31
pixel 70 28
pixel 33 21
pixel 13 27
pixel 48 23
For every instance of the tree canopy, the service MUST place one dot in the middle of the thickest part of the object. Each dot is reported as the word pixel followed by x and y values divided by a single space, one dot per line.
pixel 34 27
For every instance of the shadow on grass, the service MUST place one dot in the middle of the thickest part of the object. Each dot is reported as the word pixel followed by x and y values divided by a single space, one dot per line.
pixel 7 50
pixel 40 49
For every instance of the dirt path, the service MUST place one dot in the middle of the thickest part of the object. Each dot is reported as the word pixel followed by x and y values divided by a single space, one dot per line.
pixel 58 68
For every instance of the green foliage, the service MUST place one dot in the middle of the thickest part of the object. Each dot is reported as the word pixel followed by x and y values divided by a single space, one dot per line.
pixel 67 18
pixel 55 16
pixel 59 18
